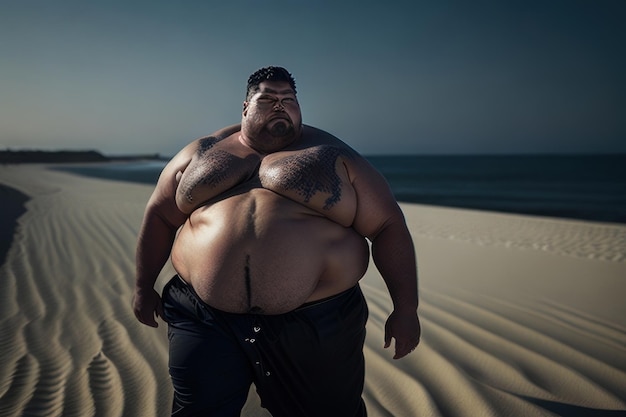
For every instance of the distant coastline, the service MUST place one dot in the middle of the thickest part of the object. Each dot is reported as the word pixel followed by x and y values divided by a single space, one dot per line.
pixel 65 156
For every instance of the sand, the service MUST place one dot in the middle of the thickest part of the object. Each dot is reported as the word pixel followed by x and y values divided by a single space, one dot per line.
pixel 522 316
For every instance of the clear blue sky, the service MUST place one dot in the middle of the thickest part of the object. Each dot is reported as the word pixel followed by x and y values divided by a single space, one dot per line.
pixel 385 76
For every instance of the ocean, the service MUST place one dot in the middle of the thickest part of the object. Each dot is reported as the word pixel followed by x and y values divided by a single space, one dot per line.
pixel 585 187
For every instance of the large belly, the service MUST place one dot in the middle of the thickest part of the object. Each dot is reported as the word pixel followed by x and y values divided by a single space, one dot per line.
pixel 261 252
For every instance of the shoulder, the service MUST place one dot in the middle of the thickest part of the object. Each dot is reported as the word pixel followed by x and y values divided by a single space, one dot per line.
pixel 356 163
pixel 313 137
pixel 165 190
pixel 318 136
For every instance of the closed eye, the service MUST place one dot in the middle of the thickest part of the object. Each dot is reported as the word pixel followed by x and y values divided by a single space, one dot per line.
pixel 266 99
pixel 289 101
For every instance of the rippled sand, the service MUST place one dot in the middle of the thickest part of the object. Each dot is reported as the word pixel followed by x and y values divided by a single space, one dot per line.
pixel 522 316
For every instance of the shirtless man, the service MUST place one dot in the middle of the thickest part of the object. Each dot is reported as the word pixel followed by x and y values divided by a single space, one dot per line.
pixel 275 216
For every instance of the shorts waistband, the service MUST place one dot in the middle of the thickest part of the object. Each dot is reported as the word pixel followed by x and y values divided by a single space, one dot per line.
pixel 327 299
pixel 310 304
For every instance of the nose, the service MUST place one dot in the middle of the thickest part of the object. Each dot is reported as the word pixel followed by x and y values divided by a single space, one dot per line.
pixel 278 106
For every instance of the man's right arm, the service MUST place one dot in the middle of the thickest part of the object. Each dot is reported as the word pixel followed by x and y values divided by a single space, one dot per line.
pixel 161 221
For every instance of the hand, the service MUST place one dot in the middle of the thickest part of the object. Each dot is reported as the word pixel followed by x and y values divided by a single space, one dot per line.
pixel 146 305
pixel 405 328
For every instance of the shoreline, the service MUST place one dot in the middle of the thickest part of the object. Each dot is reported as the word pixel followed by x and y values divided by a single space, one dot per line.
pixel 522 315
pixel 598 200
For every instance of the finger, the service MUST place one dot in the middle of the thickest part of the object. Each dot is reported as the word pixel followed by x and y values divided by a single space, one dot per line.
pixel 152 322
pixel 159 310
pixel 155 314
pixel 147 320
pixel 404 349
pixel 401 352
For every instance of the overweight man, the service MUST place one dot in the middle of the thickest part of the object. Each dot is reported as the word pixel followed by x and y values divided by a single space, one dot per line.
pixel 267 225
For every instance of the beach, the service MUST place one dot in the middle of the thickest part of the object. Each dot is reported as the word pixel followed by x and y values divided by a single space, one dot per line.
pixel 521 315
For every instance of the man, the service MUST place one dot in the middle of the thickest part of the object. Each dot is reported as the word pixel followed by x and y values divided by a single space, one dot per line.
pixel 275 216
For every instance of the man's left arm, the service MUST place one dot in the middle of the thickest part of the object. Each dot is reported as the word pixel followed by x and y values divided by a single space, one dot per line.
pixel 394 256
pixel 381 220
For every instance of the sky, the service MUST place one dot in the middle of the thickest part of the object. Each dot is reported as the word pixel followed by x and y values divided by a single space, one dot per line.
pixel 386 77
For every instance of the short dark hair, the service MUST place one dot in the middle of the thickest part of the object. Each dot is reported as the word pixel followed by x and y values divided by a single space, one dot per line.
pixel 268 74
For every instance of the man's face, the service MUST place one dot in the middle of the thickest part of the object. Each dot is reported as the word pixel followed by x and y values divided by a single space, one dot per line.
pixel 271 117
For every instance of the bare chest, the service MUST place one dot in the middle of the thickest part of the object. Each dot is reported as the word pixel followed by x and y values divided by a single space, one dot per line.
pixel 315 177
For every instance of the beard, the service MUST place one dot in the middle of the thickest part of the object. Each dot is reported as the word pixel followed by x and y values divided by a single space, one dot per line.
pixel 280 128
pixel 271 135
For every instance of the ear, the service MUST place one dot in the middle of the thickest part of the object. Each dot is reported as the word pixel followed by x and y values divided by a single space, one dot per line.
pixel 245 107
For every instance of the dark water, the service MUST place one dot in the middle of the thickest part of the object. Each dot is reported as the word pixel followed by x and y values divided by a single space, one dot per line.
pixel 580 187
pixel 588 187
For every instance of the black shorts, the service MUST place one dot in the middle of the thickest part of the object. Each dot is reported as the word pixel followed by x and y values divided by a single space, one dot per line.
pixel 304 363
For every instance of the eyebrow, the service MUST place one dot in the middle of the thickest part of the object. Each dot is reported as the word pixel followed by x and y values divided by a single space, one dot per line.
pixel 271 90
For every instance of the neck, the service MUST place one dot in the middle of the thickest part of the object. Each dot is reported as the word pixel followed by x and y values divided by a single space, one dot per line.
pixel 265 143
